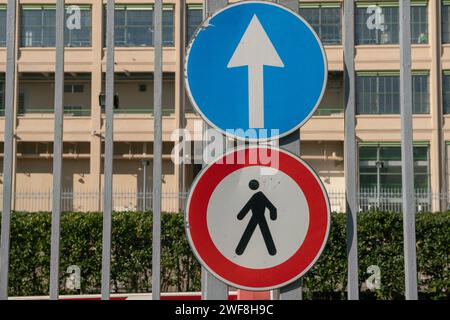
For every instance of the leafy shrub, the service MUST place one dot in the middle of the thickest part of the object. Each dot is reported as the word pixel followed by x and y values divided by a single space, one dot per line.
pixel 380 242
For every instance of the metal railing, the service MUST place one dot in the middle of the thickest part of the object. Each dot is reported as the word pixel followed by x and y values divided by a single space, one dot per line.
pixel 148 110
pixel 68 111
pixel 326 112
pixel 369 199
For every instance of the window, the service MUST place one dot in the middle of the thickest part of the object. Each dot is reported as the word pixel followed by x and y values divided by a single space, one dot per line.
pixel 446 91
pixel 73 88
pixel 325 19
pixel 168 26
pixel 446 21
pixel 38 26
pixel 22 107
pixel 421 93
pixel 194 20
pixel 419 22
pixel 134 25
pixel 78 35
pixel 378 23
pixel 2 25
pixel 373 27
pixel 380 167
pixel 379 93
pixel 2 99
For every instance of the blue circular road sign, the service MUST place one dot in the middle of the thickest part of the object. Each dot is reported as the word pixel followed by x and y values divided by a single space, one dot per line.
pixel 256 65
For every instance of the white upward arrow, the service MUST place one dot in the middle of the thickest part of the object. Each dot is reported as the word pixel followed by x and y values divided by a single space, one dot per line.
pixel 255 50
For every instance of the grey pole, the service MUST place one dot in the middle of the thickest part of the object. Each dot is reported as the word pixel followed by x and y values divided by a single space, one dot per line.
pixel 409 207
pixel 212 288
pixel 350 147
pixel 291 143
pixel 144 184
pixel 109 151
pixel 57 151
pixel 8 146
pixel 157 152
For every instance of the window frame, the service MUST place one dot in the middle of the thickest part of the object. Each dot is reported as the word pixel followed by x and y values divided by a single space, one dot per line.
pixel 377 165
pixel 43 26
pixel 125 26
pixel 394 35
pixel 378 95
pixel 191 30
pixel 446 92
pixel 3 11
pixel 319 28
pixel 445 22
pixel 68 34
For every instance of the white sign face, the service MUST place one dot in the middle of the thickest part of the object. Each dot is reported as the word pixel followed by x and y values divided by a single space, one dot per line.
pixel 287 230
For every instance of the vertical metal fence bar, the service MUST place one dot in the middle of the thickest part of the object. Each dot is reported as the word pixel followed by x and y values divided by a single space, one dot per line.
pixel 8 146
pixel 291 143
pixel 350 149
pixel 57 150
pixel 157 152
pixel 212 288
pixel 409 210
pixel 109 146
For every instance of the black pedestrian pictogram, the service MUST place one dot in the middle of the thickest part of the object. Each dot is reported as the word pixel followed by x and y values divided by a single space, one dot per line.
pixel 257 204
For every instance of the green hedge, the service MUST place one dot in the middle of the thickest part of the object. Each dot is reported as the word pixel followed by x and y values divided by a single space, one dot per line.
pixel 380 242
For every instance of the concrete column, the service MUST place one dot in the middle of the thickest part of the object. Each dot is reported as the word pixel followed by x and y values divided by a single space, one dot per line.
pixel 96 88
pixel 437 147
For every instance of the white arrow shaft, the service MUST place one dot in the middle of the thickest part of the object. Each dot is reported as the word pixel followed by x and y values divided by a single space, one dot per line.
pixel 256 96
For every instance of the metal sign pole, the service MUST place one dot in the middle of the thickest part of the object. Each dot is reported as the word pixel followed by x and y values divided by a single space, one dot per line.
pixel 8 146
pixel 409 207
pixel 109 145
pixel 212 288
pixel 157 152
pixel 57 151
pixel 350 152
pixel 291 143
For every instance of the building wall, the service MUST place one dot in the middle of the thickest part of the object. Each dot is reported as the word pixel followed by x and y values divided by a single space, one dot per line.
pixel 322 136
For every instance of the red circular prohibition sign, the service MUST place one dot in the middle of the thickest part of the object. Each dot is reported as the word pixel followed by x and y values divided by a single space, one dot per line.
pixel 266 278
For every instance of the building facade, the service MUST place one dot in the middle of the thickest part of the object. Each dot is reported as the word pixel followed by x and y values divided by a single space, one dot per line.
pixel 377 63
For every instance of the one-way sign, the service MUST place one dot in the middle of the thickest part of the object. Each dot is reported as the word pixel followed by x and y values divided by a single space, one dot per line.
pixel 256 65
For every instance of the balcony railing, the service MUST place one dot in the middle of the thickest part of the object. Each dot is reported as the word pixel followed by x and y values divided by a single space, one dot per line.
pixel 68 111
pixel 328 111
pixel 86 112
pixel 126 110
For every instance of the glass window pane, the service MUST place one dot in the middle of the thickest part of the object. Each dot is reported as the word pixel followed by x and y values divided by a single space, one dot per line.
pixel 420 98
pixel 168 28
pixel 389 175
pixel 31 28
pixel 376 27
pixel 78 37
pixel 367 181
pixel 326 22
pixel 2 27
pixel 419 24
pixel 377 95
pixel 368 153
pixel 390 153
pixel 446 23
pixel 194 20
pixel 446 92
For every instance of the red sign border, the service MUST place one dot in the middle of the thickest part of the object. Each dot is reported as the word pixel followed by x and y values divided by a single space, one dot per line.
pixel 248 278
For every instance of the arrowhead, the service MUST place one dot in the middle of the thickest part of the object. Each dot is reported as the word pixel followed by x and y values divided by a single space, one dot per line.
pixel 255 48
